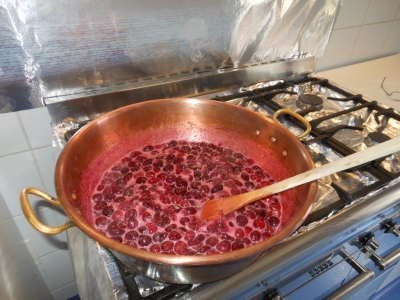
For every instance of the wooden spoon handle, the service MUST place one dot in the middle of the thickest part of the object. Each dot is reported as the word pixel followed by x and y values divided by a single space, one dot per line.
pixel 219 207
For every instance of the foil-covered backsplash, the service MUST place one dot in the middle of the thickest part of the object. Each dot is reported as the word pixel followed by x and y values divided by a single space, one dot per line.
pixel 47 46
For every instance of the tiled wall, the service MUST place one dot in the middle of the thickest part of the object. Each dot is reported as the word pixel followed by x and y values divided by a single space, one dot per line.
pixel 33 265
pixel 364 30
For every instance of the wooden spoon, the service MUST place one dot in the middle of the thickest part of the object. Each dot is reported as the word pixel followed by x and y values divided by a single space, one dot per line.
pixel 219 207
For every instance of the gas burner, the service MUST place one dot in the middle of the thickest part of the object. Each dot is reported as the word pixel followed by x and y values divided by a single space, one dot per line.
pixel 309 102
pixel 374 138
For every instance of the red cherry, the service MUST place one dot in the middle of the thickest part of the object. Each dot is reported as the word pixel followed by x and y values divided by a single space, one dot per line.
pixel 224 246
pixel 180 248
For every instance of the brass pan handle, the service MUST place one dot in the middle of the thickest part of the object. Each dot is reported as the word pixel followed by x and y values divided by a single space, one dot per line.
pixel 297 116
pixel 31 217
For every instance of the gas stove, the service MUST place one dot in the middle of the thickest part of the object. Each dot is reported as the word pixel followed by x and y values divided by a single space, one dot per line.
pixel 348 245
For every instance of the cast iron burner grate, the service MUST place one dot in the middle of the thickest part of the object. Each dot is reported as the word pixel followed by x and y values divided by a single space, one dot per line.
pixel 265 97
pixel 168 292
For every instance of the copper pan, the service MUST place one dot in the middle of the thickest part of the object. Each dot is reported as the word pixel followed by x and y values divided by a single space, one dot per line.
pixel 94 147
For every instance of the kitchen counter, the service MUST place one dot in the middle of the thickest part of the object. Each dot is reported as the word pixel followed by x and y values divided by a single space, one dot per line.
pixel 366 78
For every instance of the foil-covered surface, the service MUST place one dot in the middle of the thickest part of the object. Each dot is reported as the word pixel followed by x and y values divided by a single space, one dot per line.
pixel 97 274
pixel 59 47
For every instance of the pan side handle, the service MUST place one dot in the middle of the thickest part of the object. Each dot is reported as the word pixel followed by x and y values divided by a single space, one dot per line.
pixel 297 116
pixel 31 217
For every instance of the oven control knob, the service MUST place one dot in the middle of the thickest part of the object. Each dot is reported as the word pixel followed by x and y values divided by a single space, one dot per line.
pixel 392 227
pixel 368 240
pixel 272 295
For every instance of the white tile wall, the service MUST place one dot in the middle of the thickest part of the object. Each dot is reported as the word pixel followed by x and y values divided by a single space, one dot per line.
pixel 18 171
pixel 352 13
pixel 364 30
pixel 11 135
pixel 42 270
pixel 59 276
pixel 370 42
pixel 4 212
pixel 392 43
pixel 36 124
pixel 341 45
pixel 381 11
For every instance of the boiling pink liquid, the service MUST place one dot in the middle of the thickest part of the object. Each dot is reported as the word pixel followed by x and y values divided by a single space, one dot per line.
pixel 151 199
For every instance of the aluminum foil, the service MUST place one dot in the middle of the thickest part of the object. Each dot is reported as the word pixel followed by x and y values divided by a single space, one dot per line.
pixel 50 47
pixel 97 274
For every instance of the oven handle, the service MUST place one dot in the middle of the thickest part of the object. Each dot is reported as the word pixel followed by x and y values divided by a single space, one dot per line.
pixel 352 286
pixel 383 262
pixel 364 275
pixel 30 214
pixel 297 116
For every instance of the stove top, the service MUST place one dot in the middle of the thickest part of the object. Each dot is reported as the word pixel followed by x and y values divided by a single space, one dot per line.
pixel 342 123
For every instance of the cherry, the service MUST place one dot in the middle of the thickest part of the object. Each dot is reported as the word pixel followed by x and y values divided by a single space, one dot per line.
pixel 239 233
pixel 144 240
pixel 217 188
pixel 132 235
pixel 171 227
pixel 130 213
pixel 180 248
pixel 259 223
pixel 148 148
pixel 249 185
pixel 132 222
pixel 101 221
pixel 275 206
pixel 158 237
pixel 151 228
pixel 97 197
pixel 204 248
pixel 184 220
pixel 191 210
pixel 250 214
pixel 174 236
pixel 238 244
pixel 167 246
pixel 108 211
pixel 141 180
pixel 119 199
pixel 100 205
pixel 146 216
pixel 109 197
pixel 224 246
pixel 114 229
pixel 131 243
pixel 180 182
pixel 172 143
pixel 212 241
pixel 255 236
pixel 189 235
pixel 197 240
pixel 168 168
pixel 273 221
pixel 155 248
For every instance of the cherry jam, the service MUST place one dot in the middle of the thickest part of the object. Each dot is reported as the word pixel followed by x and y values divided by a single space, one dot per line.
pixel 151 199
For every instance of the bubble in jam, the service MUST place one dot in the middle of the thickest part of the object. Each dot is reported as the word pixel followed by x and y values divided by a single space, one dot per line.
pixel 151 199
